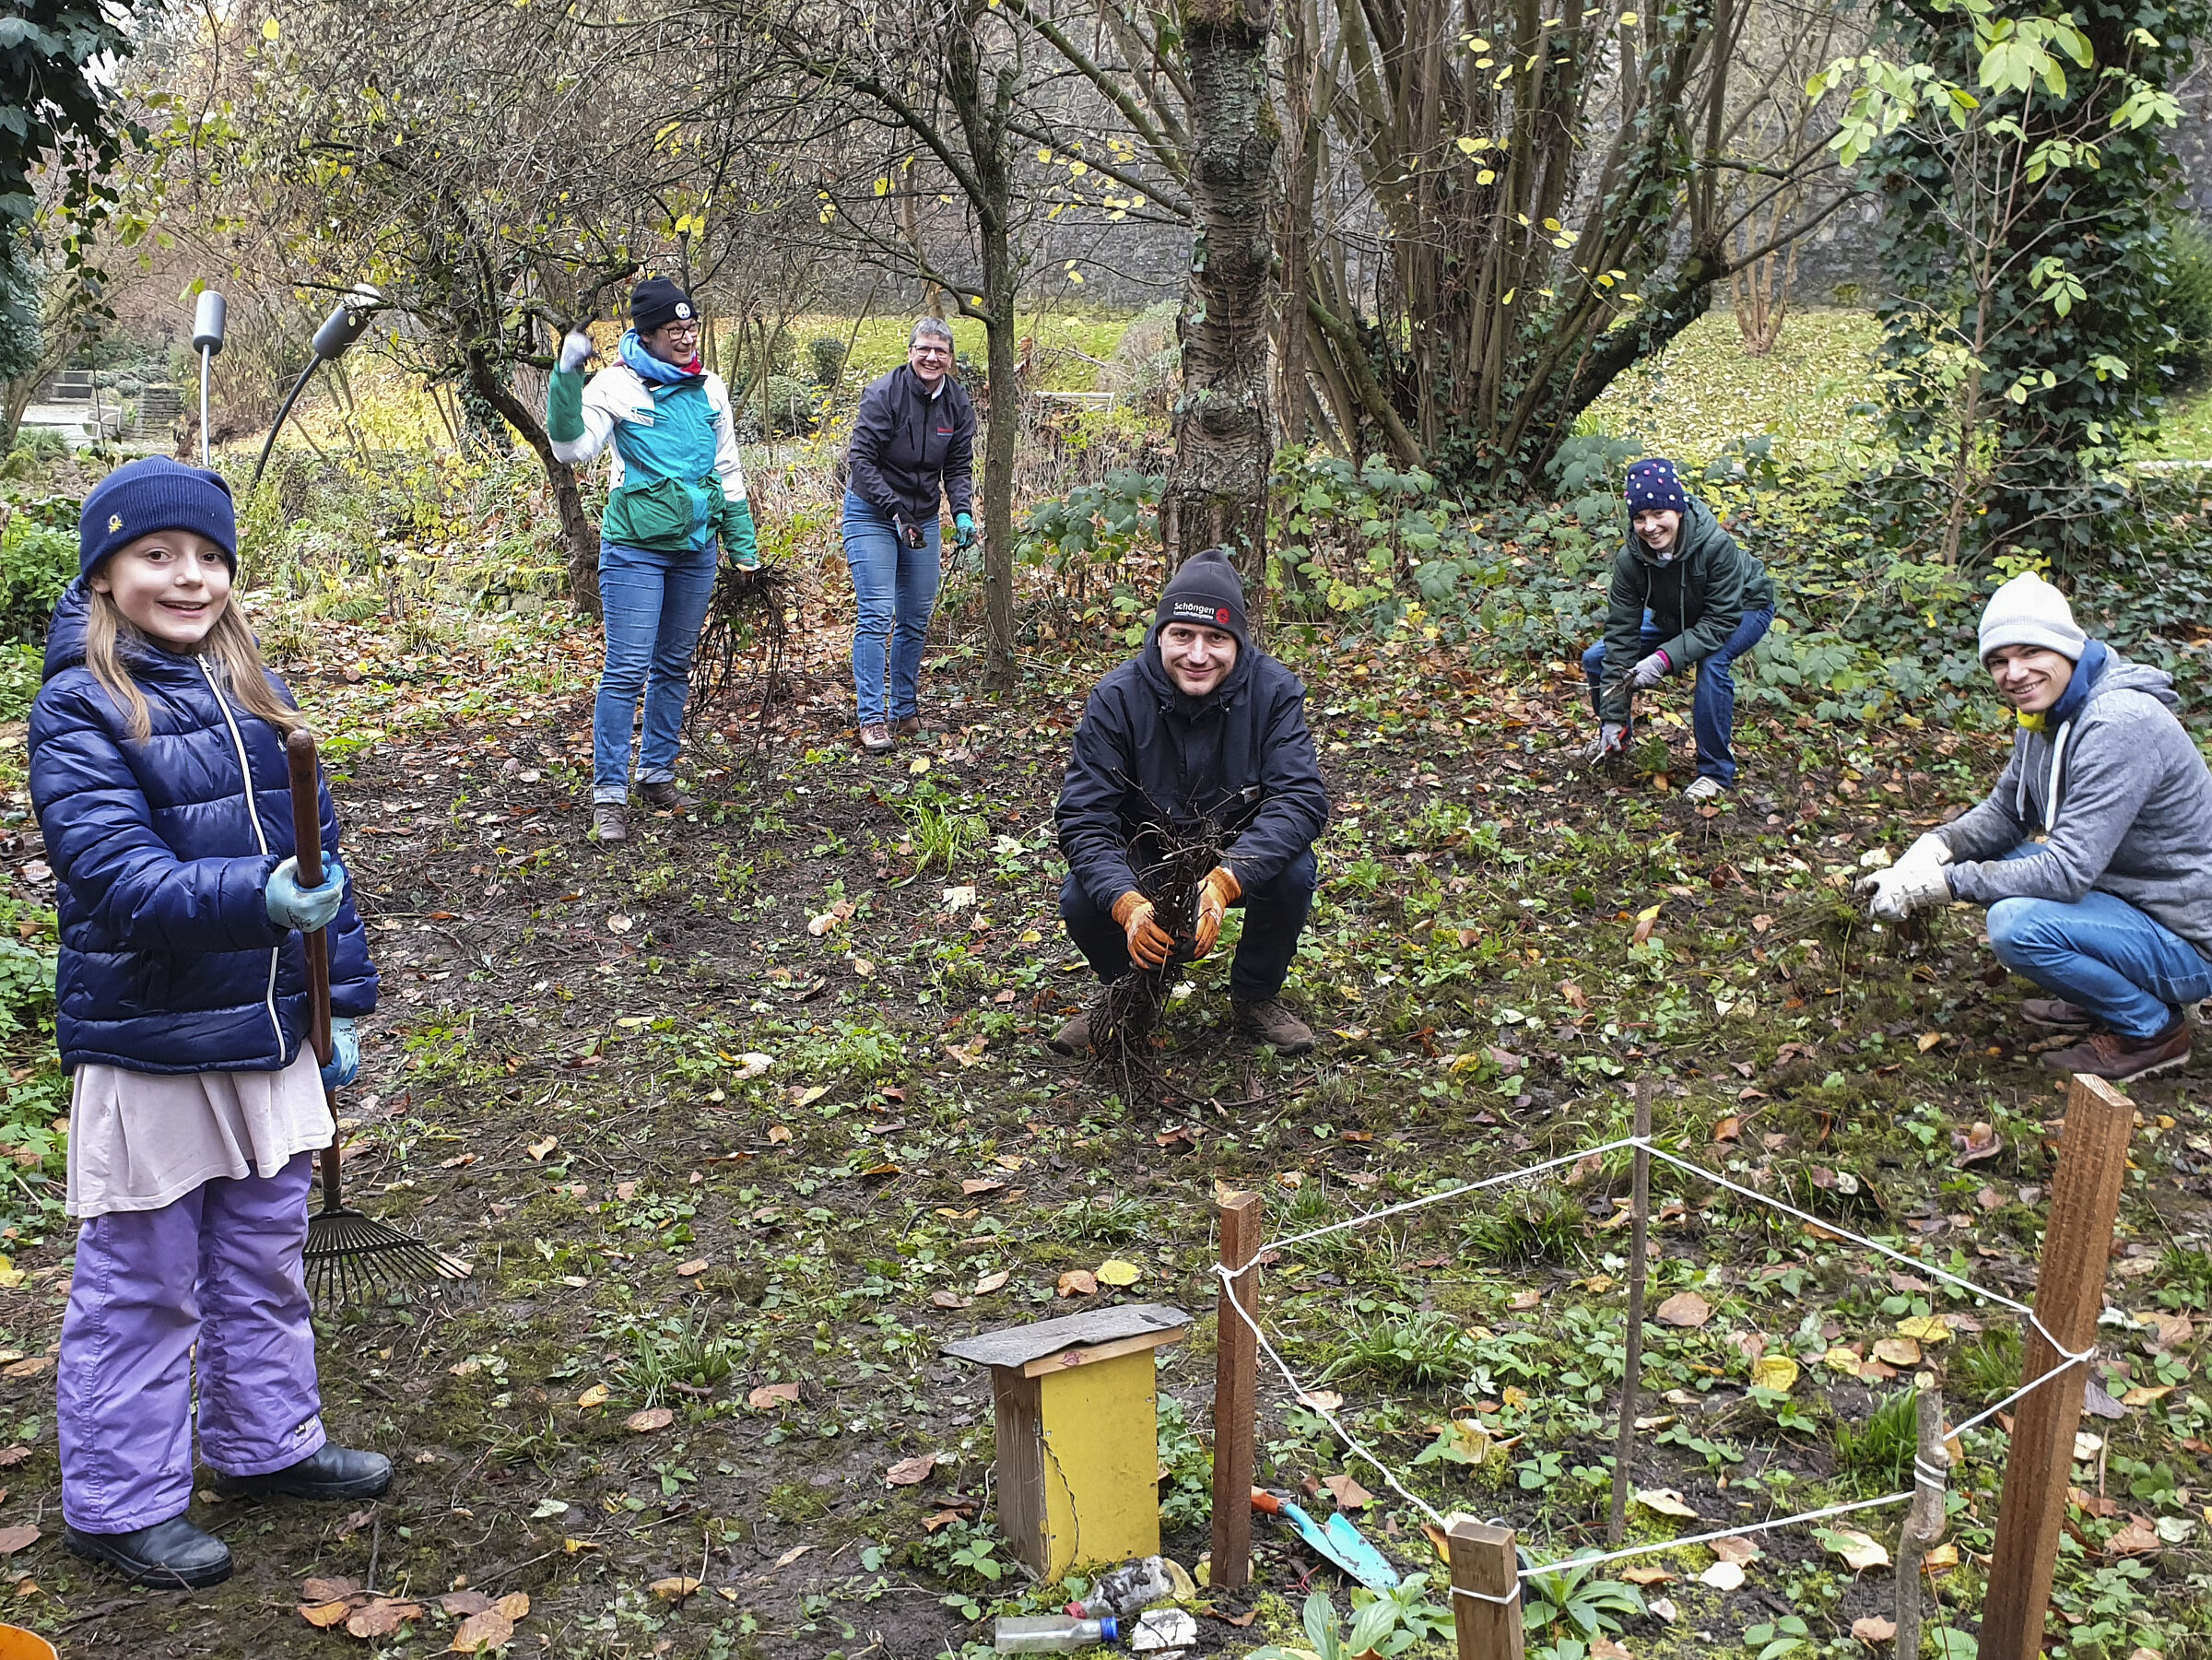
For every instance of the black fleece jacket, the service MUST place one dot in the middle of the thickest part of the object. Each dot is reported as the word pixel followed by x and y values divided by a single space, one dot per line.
pixel 907 446
pixel 1147 757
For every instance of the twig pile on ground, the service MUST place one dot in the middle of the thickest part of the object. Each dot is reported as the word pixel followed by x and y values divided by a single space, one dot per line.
pixel 748 631
pixel 1127 1009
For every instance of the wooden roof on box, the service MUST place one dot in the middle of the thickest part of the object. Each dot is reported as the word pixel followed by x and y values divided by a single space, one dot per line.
pixel 1018 1345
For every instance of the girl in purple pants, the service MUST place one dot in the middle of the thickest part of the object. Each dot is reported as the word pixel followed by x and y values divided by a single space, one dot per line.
pixel 158 770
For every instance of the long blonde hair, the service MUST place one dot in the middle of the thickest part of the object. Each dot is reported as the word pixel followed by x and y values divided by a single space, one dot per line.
pixel 228 648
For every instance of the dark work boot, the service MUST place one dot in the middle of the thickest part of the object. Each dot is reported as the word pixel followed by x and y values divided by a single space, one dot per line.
pixel 1073 1038
pixel 2117 1059
pixel 610 821
pixel 169 1556
pixel 2056 1013
pixel 333 1473
pixel 1270 1023
pixel 665 797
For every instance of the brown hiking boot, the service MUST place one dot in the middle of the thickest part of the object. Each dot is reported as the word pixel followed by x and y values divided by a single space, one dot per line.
pixel 610 822
pixel 2056 1013
pixel 907 725
pixel 876 738
pixel 665 797
pixel 2117 1059
pixel 1270 1023
pixel 1073 1038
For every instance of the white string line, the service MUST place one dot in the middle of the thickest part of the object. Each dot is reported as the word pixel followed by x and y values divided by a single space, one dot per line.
pixel 1434 1198
pixel 1658 1547
pixel 1312 1404
pixel 1914 1263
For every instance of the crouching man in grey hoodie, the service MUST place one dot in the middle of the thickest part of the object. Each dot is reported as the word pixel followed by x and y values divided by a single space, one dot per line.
pixel 2094 851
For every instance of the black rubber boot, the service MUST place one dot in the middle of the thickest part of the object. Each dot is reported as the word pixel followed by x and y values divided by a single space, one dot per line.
pixel 171 1555
pixel 333 1473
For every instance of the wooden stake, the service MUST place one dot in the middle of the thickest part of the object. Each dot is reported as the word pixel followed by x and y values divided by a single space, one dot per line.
pixel 2077 1243
pixel 1482 1560
pixel 1925 1517
pixel 1236 1382
pixel 1624 1436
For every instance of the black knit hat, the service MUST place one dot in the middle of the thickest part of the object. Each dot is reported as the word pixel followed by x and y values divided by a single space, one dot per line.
pixel 657 301
pixel 1206 591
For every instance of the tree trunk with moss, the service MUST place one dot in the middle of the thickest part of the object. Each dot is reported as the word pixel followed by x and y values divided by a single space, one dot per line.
pixel 1217 489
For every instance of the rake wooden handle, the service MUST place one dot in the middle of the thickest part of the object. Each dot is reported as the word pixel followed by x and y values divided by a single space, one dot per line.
pixel 307 847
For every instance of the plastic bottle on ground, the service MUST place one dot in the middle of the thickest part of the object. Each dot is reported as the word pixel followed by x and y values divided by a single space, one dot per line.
pixel 1052 1634
pixel 1127 1589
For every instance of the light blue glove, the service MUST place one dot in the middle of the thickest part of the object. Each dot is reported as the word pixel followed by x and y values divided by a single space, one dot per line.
pixel 963 531
pixel 306 909
pixel 345 1063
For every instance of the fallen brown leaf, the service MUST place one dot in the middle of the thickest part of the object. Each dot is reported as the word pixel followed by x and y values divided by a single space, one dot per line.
pixel 328 1590
pixel 770 1396
pixel 1348 1493
pixel 675 1589
pixel 648 1421
pixel 1079 1282
pixel 478 1632
pixel 462 1604
pixel 910 1472
pixel 1684 1308
pixel 382 1618
pixel 325 1614
pixel 13 1539
pixel 1871 1628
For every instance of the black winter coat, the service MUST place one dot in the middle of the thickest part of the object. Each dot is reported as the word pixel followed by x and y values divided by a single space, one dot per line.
pixel 907 447
pixel 1145 755
pixel 161 851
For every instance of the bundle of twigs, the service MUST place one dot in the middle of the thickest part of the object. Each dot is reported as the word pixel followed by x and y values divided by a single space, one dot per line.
pixel 746 633
pixel 1128 1008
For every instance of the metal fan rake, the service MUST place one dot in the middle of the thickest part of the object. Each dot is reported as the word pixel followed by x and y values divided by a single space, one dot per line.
pixel 350 1257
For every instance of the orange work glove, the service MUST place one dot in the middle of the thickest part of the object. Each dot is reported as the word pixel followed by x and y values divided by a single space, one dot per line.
pixel 1221 890
pixel 1149 942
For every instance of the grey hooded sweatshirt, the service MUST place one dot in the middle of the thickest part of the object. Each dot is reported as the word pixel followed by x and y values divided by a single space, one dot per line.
pixel 2120 795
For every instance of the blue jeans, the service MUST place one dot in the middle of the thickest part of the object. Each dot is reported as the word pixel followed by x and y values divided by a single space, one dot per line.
pixel 1712 709
pixel 895 588
pixel 2129 971
pixel 653 604
pixel 1274 915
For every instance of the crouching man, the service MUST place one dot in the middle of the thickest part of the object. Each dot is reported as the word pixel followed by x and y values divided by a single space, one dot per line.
pixel 2094 851
pixel 1198 727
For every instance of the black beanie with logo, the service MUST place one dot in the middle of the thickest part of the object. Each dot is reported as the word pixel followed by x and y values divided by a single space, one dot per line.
pixel 655 301
pixel 1208 592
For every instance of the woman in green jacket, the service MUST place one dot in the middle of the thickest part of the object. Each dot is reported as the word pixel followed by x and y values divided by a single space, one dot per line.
pixel 1684 594
pixel 675 488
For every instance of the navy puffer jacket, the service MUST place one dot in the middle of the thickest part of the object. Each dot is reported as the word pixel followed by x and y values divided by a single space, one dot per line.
pixel 160 850
pixel 1147 758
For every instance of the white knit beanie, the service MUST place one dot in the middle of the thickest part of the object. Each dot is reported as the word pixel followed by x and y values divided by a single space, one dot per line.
pixel 2030 611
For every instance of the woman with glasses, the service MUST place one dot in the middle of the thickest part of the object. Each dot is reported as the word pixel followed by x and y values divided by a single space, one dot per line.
pixel 675 488
pixel 914 442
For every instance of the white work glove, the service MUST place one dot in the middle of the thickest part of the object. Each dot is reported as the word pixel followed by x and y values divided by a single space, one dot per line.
pixel 575 350
pixel 1649 672
pixel 1611 739
pixel 1913 883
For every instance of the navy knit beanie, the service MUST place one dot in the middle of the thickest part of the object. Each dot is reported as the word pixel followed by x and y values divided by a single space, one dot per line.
pixel 1652 487
pixel 1206 591
pixel 154 493
pixel 655 301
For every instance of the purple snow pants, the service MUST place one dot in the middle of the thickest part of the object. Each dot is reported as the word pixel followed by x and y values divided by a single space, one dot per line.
pixel 220 1267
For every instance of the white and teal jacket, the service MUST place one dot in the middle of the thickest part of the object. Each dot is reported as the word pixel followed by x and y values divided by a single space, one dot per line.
pixel 674 481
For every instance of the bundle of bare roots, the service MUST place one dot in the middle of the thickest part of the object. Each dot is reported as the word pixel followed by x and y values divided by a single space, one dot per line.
pixel 1122 1018
pixel 746 633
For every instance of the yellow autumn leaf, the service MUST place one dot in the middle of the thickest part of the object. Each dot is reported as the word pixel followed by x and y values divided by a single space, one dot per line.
pixel 1113 1271
pixel 1649 915
pixel 268 28
pixel 1842 1360
pixel 1927 1328
pixel 593 1397
pixel 1775 1371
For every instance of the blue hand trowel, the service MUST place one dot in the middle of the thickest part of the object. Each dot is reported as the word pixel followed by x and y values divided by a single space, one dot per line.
pixel 1339 1541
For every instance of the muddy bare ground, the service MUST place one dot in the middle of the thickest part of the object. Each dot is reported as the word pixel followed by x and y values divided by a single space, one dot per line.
pixel 754 1100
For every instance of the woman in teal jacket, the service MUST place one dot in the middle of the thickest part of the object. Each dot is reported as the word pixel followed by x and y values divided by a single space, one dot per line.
pixel 675 488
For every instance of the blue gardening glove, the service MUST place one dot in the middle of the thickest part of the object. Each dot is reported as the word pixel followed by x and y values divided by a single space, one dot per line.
pixel 963 531
pixel 1650 671
pixel 345 1063
pixel 306 909
pixel 575 350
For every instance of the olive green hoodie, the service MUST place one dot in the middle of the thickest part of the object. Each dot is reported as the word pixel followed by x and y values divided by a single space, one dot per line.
pixel 1696 598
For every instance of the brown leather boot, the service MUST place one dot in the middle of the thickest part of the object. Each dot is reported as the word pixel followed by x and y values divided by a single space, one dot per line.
pixel 2112 1057
pixel 2056 1013
pixel 907 725
pixel 1270 1023
pixel 1074 1037
pixel 610 821
pixel 666 797
pixel 876 738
